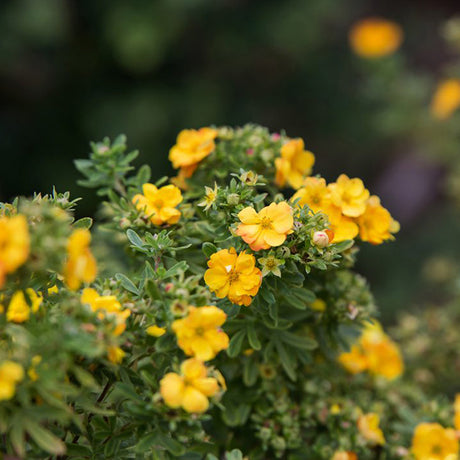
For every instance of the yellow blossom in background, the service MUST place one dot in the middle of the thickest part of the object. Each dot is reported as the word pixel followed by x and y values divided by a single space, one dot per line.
pixel 14 243
pixel 318 305
pixel 199 333
pixel 209 197
pixel 19 309
pixel 32 372
pixel 106 305
pixel 354 361
pixel 233 275
pixel 192 146
pixel 344 455
pixel 446 98
pixel 155 331
pixel 267 228
pixel 375 37
pixel 81 264
pixel 376 223
pixel 294 164
pixel 191 389
pixel 457 412
pixel 53 290
pixel 349 195
pixel 115 354
pixel 11 374
pixel 368 426
pixel 433 442
pixel 159 204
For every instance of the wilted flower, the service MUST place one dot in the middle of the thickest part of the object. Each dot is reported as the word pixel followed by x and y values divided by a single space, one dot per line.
pixel 210 197
pixel 271 264
pixel 433 442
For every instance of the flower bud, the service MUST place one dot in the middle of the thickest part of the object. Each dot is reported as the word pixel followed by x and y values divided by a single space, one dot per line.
pixel 233 199
pixel 320 239
pixel 125 223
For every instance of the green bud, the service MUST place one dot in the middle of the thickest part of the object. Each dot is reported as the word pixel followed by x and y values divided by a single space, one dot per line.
pixel 233 199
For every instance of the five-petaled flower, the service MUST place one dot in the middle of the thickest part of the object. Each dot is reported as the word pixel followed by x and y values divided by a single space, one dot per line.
pixel 294 164
pixel 349 195
pixel 267 228
pixel 233 275
pixel 271 264
pixel 368 426
pixel 159 204
pixel 199 333
pixel 431 441
pixel 11 374
pixel 209 197
pixel 191 388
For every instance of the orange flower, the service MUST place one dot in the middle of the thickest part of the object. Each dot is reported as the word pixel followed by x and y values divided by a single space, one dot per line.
pixel 266 228
pixel 294 164
pixel 344 455
pixel 375 37
pixel 446 99
pixel 234 276
pixel 349 195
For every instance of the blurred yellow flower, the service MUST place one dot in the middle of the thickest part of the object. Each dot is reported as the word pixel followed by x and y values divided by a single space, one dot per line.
pixel 192 146
pixel 159 204
pixel 191 389
pixel 266 228
pixel 115 354
pixel 294 164
pixel 318 305
pixel 199 333
pixel 344 455
pixel 376 224
pixel 354 361
pixel 19 309
pixel 349 195
pixel 457 412
pixel 81 264
pixel 368 426
pixel 11 373
pixel 234 276
pixel 32 372
pixel 433 442
pixel 155 331
pixel 14 243
pixel 375 37
pixel 446 98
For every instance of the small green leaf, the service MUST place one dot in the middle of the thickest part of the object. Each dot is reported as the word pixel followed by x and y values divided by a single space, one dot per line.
pixel 286 360
pixel 127 283
pixel 236 344
pixel 253 340
pixel 85 223
pixel 170 444
pixel 134 239
pixel 208 249
pixel 176 269
pixel 44 438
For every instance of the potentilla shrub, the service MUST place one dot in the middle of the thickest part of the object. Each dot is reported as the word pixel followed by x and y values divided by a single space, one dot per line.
pixel 209 316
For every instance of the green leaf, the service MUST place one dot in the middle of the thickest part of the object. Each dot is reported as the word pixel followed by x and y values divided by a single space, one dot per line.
pixel 250 372
pixel 127 283
pixel 267 295
pixel 152 290
pixel 176 269
pixel 44 438
pixel 85 223
pixel 286 360
pixel 294 340
pixel 235 454
pixel 208 249
pixel 170 444
pixel 253 340
pixel 343 245
pixel 146 443
pixel 127 391
pixel 236 344
pixel 17 437
pixel 134 239
pixel 143 175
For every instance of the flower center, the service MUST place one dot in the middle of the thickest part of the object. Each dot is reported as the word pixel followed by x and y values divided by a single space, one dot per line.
pixel 266 223
pixel 158 203
pixel 233 276
pixel 436 449
pixel 199 331
pixel 270 264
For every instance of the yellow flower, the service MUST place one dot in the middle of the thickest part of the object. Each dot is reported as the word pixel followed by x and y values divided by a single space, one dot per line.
pixel 81 264
pixel 191 389
pixel 271 264
pixel 192 146
pixel 446 98
pixel 199 333
pixel 318 305
pixel 294 164
pixel 433 442
pixel 343 228
pixel 375 37
pixel 14 243
pixel 457 412
pixel 234 276
pixel 349 195
pixel 106 305
pixel 115 354
pixel 376 223
pixel 53 290
pixel 210 197
pixel 10 374
pixel 314 193
pixel 19 309
pixel 155 331
pixel 266 228
pixel 159 204
pixel 344 455
pixel 374 352
pixel 32 372
pixel 368 426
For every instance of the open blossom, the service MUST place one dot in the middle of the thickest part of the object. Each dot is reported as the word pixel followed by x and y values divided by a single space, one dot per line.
pixel 11 374
pixel 159 204
pixel 209 197
pixel 376 224
pixel 106 305
pixel 271 264
pixel 433 442
pixel 314 194
pixel 234 276
pixel 368 426
pixel 294 164
pixel 192 146
pixel 349 195
pixel 375 37
pixel 81 264
pixel 191 388
pixel 267 228
pixel 199 333
pixel 14 243
pixel 374 352
pixel 19 309
pixel 446 99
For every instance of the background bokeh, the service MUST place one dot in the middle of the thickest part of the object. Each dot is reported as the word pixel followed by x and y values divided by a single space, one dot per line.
pixel 75 71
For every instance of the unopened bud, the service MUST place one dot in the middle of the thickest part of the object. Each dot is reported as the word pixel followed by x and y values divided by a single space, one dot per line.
pixel 320 239
pixel 233 199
